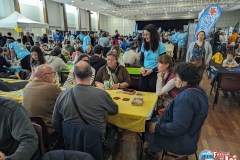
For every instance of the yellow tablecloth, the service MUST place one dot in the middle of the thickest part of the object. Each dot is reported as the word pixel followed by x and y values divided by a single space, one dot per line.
pixel 131 117
pixel 11 80
pixel 15 95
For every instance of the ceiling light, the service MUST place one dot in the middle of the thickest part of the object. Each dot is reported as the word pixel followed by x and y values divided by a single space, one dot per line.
pixel 147 1
pixel 72 1
pixel 164 8
pixel 91 3
pixel 113 11
pixel 129 0
pixel 191 10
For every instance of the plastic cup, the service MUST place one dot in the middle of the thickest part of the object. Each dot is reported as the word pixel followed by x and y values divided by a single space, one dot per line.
pixel 106 84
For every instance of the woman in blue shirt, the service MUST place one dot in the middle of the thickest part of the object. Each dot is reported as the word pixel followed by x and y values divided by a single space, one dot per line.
pixel 151 49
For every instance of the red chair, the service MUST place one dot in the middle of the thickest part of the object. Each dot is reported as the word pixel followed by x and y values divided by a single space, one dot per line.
pixel 227 82
pixel 38 130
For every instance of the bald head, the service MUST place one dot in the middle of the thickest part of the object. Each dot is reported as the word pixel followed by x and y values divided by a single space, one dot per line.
pixel 82 70
pixel 45 73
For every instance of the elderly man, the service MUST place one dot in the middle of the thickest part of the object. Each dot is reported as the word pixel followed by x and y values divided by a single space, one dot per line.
pixel 92 111
pixel 39 96
pixel 18 139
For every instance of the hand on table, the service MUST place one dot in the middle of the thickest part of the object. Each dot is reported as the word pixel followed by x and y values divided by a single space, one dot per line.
pixel 115 86
pixel 101 86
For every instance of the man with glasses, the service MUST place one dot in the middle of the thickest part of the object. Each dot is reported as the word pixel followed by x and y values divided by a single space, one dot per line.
pixel 39 95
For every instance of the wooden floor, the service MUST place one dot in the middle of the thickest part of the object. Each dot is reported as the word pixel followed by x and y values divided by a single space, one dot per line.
pixel 220 132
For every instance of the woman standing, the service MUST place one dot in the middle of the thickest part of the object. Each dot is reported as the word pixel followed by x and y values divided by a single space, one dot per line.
pixel 199 53
pixel 151 49
pixel 117 35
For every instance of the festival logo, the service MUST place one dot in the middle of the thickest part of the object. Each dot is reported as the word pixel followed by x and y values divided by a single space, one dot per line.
pixel 215 155
pixel 208 19
pixel 206 155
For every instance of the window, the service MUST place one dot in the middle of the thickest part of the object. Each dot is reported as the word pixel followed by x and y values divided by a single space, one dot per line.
pixel 70 9
pixel 29 2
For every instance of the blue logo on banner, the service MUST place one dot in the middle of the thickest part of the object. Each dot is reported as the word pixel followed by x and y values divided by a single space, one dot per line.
pixel 208 19
pixel 206 155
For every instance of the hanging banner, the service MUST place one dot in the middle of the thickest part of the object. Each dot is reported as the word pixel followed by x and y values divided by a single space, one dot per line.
pixel 208 19
pixel 18 30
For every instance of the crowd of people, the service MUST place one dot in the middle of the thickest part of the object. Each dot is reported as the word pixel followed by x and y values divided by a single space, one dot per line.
pixel 99 60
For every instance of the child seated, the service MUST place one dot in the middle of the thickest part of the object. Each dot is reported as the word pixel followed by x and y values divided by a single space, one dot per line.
pixel 230 62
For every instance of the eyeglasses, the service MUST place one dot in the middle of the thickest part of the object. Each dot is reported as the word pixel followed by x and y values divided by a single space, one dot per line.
pixel 49 73
pixel 86 61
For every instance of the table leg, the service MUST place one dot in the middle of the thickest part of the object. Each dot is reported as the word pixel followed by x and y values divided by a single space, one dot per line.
pixel 142 144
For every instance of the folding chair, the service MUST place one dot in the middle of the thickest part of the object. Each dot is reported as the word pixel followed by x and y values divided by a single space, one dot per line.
pixel 227 82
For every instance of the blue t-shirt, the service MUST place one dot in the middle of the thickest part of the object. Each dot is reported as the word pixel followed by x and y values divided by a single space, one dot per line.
pixel 57 36
pixel 150 57
pixel 81 36
pixel 19 49
pixel 128 44
pixel 182 39
pixel 72 38
pixel 123 45
pixel 86 40
pixel 173 38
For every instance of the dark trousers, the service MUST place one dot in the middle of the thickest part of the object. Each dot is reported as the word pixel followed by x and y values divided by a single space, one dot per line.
pixel 175 50
pixel 25 63
pixel 201 71
pixel 148 83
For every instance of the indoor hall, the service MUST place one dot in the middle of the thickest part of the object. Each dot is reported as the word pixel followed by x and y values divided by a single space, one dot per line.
pixel 124 80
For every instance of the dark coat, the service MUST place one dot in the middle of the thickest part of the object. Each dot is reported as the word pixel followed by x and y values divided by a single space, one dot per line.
pixel 97 62
pixel 179 128
pixel 83 137
pixel 67 155
pixel 25 40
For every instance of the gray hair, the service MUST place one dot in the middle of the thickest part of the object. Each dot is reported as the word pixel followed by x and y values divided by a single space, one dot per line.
pixel 83 72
